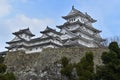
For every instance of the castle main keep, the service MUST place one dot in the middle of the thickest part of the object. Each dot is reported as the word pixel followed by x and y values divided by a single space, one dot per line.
pixel 76 31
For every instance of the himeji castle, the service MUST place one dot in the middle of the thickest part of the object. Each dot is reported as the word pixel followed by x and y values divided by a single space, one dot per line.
pixel 76 31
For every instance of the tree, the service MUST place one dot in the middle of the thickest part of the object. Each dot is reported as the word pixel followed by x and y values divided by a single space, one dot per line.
pixel 4 75
pixel 111 39
pixel 9 76
pixel 1 59
pixel 67 68
pixel 3 68
pixel 64 61
pixel 115 39
pixel 111 68
pixel 85 67
pixel 67 71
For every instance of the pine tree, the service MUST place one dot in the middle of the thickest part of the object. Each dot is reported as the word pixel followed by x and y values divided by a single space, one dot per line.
pixel 111 60
pixel 3 74
pixel 85 67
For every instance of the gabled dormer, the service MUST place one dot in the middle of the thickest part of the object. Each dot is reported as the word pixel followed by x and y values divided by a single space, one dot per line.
pixel 50 32
pixel 75 15
pixel 25 34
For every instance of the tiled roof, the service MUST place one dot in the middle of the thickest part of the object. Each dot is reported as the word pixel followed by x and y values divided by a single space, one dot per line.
pixel 73 43
pixel 14 41
pixel 78 22
pixel 44 44
pixel 26 31
pixel 75 12
pixel 36 45
pixel 48 29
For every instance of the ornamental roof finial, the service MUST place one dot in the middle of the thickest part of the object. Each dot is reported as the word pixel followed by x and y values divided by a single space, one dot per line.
pixel 73 7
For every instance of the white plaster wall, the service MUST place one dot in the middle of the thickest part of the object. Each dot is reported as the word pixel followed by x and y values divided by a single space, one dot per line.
pixel 25 36
pixel 15 44
pixel 65 36
pixel 16 38
pixel 97 35
pixel 21 49
pixel 40 42
pixel 81 19
pixel 89 31
pixel 49 46
pixel 73 27
pixel 90 44
pixel 83 43
pixel 44 36
pixel 15 49
pixel 52 34
pixel 84 36
pixel 38 49
pixel 34 50
pixel 63 31
pixel 57 42
pixel 74 19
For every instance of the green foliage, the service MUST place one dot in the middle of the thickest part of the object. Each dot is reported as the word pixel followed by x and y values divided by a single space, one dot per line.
pixel 89 56
pixel 109 57
pixel 3 68
pixel 114 47
pixel 1 59
pixel 67 70
pixel 9 76
pixel 85 67
pixel 111 68
pixel 64 61
pixel 3 74
pixel 102 73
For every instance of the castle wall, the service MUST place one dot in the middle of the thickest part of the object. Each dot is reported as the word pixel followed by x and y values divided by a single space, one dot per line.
pixel 26 66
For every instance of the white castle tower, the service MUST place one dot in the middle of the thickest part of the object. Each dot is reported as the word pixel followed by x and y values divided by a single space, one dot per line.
pixel 78 30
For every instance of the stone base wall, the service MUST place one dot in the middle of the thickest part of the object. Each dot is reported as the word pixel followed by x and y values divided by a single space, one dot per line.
pixel 43 65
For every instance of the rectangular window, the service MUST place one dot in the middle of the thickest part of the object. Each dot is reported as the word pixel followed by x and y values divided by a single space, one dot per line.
pixel 25 36
pixel 74 19
pixel 31 49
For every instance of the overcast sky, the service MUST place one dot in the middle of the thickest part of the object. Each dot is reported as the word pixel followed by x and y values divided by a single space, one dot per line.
pixel 37 14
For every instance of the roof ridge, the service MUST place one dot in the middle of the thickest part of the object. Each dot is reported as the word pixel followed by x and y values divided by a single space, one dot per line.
pixel 26 30
pixel 73 11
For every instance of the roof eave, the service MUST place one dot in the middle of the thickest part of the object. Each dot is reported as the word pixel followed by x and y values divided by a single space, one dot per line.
pixel 99 31
pixel 14 33
pixel 51 31
pixel 70 16
pixel 8 42
pixel 7 47
pixel 93 21
pixel 60 26
pixel 17 33
pixel 31 35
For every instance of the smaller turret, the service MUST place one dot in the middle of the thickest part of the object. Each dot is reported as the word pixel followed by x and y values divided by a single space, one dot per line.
pixel 25 34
